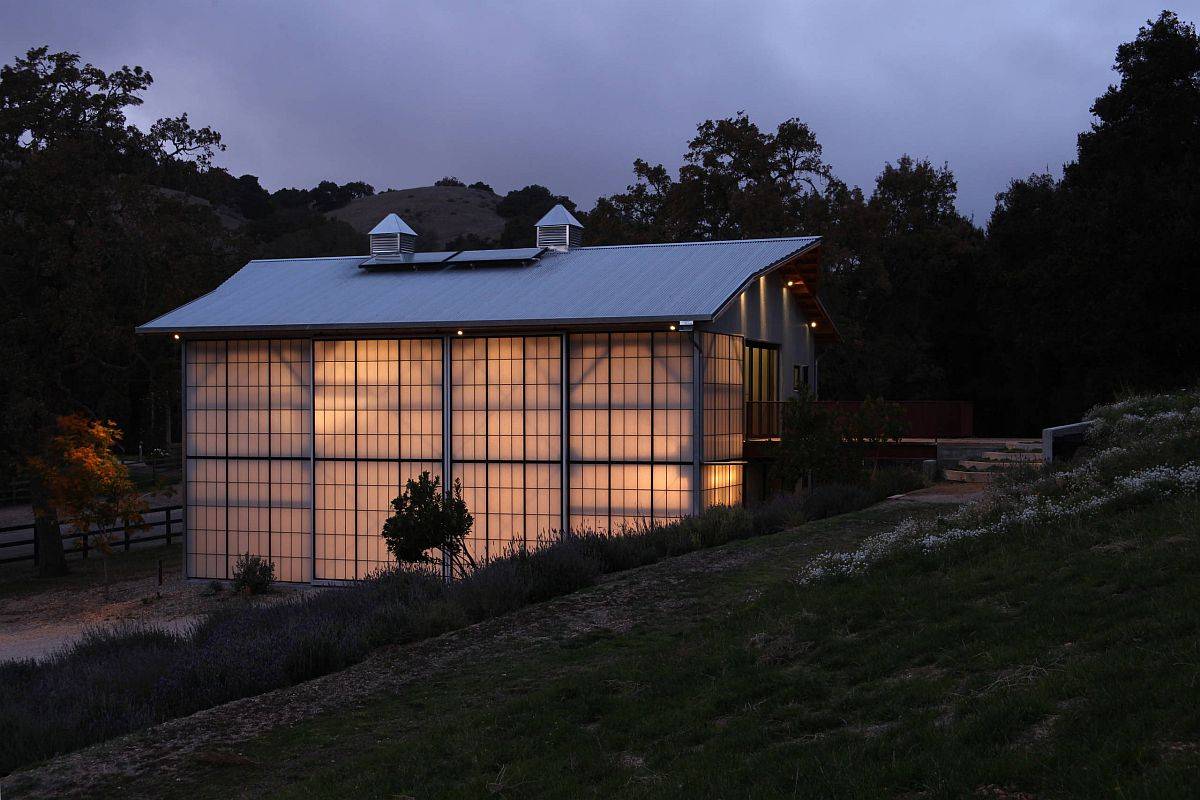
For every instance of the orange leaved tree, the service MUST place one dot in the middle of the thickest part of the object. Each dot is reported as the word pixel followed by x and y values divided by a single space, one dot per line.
pixel 85 485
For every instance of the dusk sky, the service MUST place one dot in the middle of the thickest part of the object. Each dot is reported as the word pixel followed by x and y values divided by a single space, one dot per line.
pixel 568 94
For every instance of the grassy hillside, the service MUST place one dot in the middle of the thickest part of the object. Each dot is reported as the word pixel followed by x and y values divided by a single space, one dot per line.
pixel 437 213
pixel 1064 662
pixel 1045 643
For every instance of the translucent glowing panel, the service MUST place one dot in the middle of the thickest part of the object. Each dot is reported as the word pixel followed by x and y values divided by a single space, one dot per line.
pixel 291 520
pixel 378 483
pixel 724 418
pixel 672 398
pixel 630 494
pixel 290 386
pixel 506 423
pixel 420 364
pixel 543 398
pixel 672 491
pixel 631 396
pixel 589 398
pixel 514 505
pixel 468 399
pixel 248 397
pixel 334 365
pixel 206 510
pixel 589 497
pixel 248 487
pixel 721 485
pixel 335 518
pixel 377 399
pixel 632 404
pixel 205 379
pixel 248 400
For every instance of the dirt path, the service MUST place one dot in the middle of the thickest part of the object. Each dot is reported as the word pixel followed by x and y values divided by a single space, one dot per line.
pixel 132 765
pixel 37 623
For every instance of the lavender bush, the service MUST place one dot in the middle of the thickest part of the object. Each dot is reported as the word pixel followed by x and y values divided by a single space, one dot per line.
pixel 137 677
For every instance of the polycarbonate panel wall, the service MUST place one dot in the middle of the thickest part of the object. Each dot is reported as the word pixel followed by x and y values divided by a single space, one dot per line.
pixel 721 485
pixel 295 449
pixel 724 412
pixel 724 419
pixel 506 439
pixel 631 440
pixel 247 484
pixel 378 412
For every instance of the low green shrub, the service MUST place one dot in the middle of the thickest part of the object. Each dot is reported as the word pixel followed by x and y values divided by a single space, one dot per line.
pixel 253 574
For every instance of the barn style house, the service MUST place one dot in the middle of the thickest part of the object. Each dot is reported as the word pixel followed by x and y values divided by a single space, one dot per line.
pixel 564 386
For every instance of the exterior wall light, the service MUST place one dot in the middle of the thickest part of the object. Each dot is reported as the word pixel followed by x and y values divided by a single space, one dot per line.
pixel 459 333
pixel 175 336
pixel 791 283
pixel 672 327
pixel 812 324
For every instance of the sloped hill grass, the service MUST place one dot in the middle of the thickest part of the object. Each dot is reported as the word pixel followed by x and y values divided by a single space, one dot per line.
pixel 1046 653
pixel 1060 662
pixel 118 680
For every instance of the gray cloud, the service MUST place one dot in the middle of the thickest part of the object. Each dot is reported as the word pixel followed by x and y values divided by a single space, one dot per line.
pixel 399 94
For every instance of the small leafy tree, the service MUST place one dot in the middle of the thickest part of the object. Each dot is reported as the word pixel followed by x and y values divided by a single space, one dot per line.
pixel 427 518
pixel 808 442
pixel 875 423
pixel 831 446
pixel 85 483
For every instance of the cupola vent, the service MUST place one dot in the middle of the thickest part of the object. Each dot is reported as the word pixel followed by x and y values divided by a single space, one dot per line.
pixel 559 230
pixel 392 235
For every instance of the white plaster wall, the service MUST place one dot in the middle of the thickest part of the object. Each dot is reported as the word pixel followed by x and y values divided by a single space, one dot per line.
pixel 767 312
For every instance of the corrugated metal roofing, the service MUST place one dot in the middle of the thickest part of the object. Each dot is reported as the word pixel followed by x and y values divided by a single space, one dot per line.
pixel 559 216
pixel 627 283
pixel 392 224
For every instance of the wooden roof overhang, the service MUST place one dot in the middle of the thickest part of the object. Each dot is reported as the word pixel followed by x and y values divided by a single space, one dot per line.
pixel 802 277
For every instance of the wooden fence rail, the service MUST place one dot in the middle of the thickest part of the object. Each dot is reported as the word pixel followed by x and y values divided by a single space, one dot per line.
pixel 169 527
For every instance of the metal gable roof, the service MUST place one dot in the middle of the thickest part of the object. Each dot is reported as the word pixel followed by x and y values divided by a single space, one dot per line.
pixel 621 283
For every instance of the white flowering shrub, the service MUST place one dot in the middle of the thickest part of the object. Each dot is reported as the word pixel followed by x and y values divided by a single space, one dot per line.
pixel 1143 449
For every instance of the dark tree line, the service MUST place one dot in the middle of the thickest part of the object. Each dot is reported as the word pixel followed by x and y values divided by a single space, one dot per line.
pixel 1076 290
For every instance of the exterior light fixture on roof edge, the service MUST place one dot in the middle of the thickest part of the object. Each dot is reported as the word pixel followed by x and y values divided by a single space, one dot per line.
pixel 175 336
pixel 812 324
pixel 459 333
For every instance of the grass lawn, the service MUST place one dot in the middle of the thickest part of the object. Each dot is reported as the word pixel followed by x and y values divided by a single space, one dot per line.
pixel 1060 663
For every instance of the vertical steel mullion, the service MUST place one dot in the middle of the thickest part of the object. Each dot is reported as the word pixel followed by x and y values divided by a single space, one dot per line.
pixel 354 511
pixel 653 383
pixel 608 434
pixel 487 445
pixel 270 459
pixel 446 436
pixel 564 424
pixel 183 427
pixel 524 446
pixel 312 458
pixel 699 365
pixel 226 388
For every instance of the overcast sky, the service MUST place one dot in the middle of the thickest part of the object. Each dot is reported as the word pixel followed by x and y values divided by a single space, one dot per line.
pixel 567 94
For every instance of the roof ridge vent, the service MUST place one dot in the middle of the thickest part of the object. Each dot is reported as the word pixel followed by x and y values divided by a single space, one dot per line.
pixel 559 230
pixel 391 236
